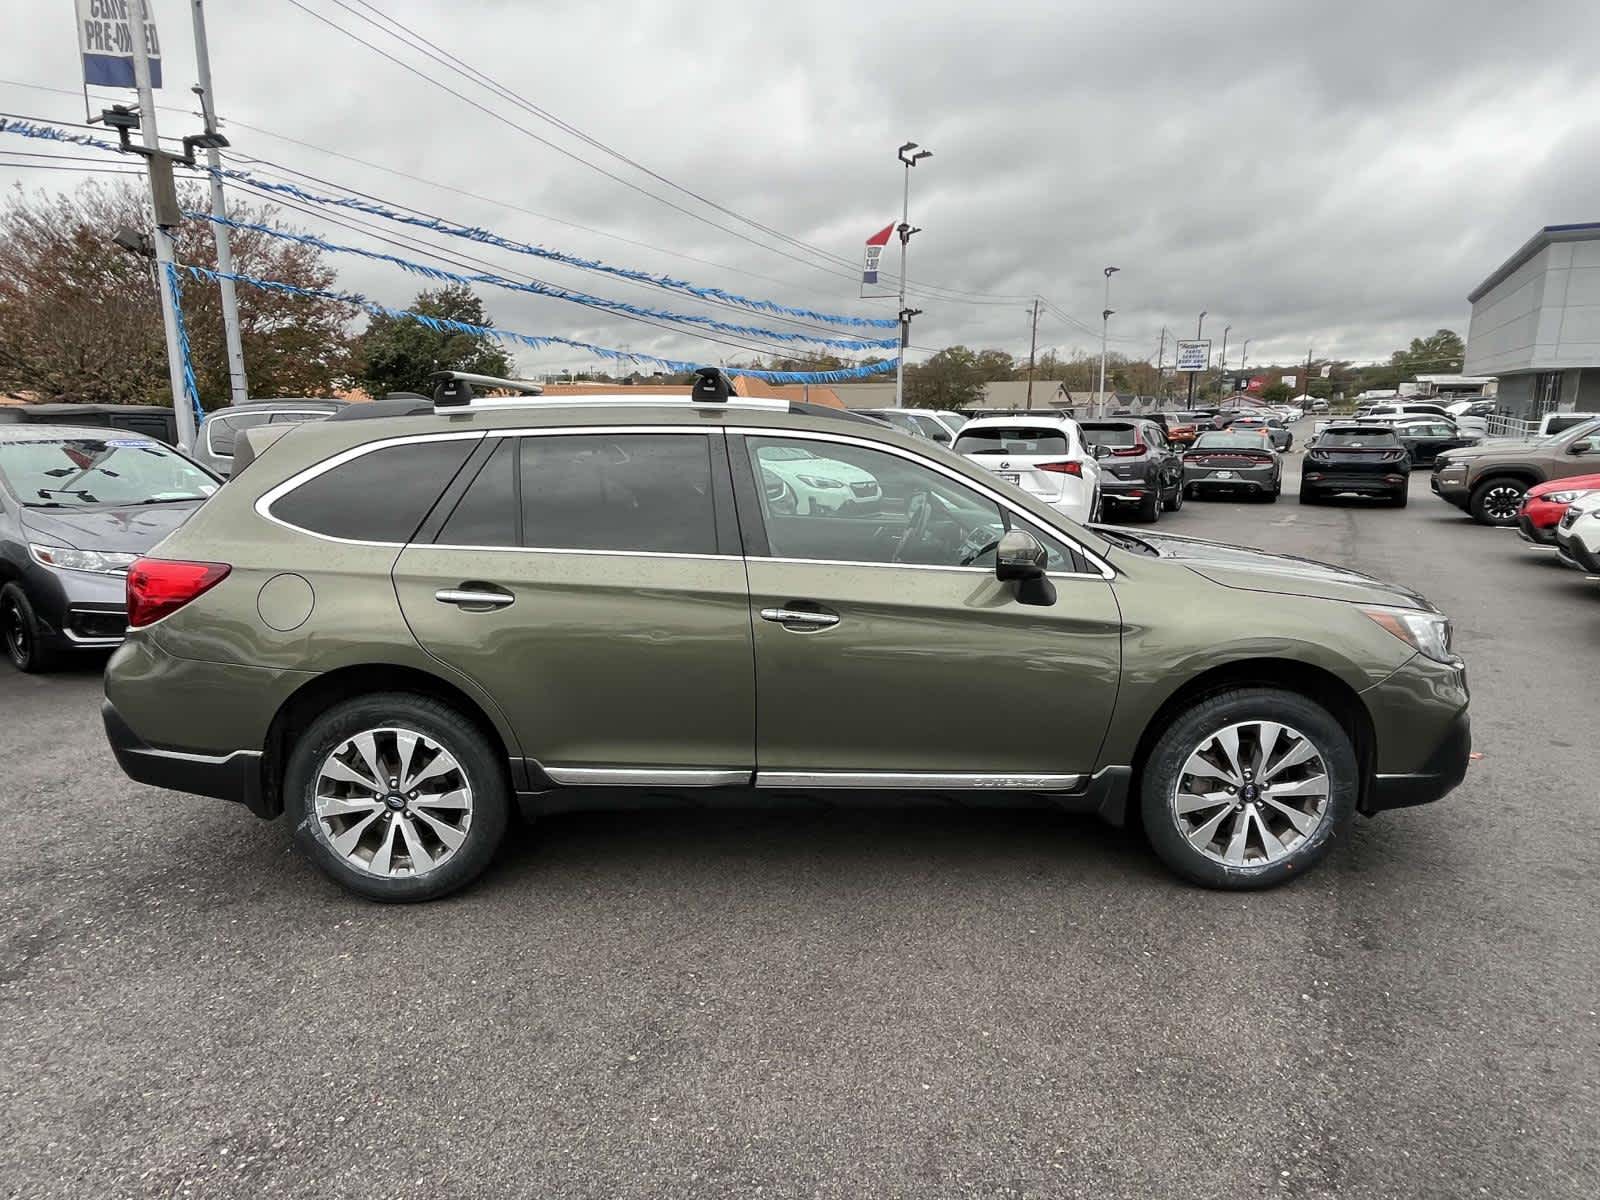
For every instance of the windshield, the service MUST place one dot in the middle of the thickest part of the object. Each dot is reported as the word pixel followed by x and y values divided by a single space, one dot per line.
pixel 1571 428
pixel 1012 439
pixel 1230 441
pixel 1358 438
pixel 75 472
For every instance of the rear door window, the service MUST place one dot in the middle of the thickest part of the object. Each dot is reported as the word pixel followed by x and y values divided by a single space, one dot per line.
pixel 1112 435
pixel 641 492
pixel 379 496
pixel 1015 440
pixel 487 514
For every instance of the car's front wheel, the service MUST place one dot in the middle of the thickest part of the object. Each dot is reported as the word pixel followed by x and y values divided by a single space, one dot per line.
pixel 26 644
pixel 397 796
pixel 1496 501
pixel 1248 788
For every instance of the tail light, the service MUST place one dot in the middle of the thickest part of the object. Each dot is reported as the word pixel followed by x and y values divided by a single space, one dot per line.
pixel 159 587
pixel 1132 451
pixel 1062 468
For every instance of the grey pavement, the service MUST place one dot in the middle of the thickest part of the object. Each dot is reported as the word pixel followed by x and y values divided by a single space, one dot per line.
pixel 850 1004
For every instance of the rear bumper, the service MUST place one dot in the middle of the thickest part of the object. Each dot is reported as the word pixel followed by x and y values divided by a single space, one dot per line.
pixel 235 776
pixel 1335 481
pixel 1112 488
pixel 1247 478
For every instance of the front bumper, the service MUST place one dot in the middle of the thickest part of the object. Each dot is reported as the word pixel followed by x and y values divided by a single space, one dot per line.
pixel 1577 555
pixel 1539 535
pixel 235 776
pixel 1451 488
pixel 1423 733
pixel 1441 773
pixel 80 610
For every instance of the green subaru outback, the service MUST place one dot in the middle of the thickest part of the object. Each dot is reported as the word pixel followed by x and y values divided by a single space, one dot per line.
pixel 400 630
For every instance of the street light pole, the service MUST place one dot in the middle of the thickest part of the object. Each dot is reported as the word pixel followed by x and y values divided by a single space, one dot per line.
pixel 1105 329
pixel 905 240
pixel 1198 326
pixel 1244 357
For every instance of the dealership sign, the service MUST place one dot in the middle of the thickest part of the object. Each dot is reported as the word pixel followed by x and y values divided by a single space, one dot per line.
pixel 105 39
pixel 1194 356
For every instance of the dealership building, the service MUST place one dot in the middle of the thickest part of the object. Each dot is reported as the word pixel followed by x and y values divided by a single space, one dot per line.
pixel 1536 324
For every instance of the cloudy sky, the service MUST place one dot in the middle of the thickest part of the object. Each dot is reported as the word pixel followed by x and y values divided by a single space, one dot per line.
pixel 1336 175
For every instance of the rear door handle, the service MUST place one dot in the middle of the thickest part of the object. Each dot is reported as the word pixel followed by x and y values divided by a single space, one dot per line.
pixel 809 619
pixel 474 596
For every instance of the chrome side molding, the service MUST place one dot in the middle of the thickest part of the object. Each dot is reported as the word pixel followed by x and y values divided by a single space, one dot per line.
pixel 930 780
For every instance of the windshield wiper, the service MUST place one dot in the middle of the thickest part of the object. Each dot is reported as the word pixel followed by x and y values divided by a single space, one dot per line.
pixel 166 500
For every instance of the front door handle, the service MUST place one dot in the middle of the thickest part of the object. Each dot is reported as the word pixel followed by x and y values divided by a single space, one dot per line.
pixel 809 619
pixel 474 596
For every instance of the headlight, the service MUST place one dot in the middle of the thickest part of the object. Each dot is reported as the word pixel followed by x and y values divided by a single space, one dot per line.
pixel 1564 497
pixel 817 481
pixel 101 562
pixel 1428 633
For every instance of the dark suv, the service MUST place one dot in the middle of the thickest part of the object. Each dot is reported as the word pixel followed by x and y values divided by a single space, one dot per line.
pixel 1139 468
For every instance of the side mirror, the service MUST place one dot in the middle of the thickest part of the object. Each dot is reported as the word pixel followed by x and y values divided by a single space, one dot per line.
pixel 1100 451
pixel 1019 556
pixel 1581 447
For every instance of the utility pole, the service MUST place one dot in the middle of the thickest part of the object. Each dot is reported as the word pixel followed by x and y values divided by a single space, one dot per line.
pixel 1105 329
pixel 906 231
pixel 1033 344
pixel 1306 390
pixel 238 384
pixel 1244 357
pixel 163 200
pixel 1198 326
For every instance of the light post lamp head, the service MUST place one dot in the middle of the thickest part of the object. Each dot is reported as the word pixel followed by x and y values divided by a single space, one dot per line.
pixel 1110 271
pixel 911 160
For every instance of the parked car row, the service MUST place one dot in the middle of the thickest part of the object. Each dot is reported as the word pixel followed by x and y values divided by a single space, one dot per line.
pixel 1491 479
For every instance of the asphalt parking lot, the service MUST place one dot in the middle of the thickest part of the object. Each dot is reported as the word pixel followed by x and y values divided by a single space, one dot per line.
pixel 882 1004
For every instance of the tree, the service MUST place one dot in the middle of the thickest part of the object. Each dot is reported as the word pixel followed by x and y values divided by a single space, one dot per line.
pixel 1436 355
pixel 398 354
pixel 1277 393
pixel 80 318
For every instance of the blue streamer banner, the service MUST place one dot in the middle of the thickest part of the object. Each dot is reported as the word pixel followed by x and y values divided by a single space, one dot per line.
pixel 52 133
pixel 535 342
pixel 549 290
pixel 190 387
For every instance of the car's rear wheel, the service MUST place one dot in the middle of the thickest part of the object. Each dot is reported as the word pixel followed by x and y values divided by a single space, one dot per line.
pixel 1307 496
pixel 397 796
pixel 1400 498
pixel 1249 788
pixel 26 643
pixel 1150 507
pixel 1496 501
pixel 1175 501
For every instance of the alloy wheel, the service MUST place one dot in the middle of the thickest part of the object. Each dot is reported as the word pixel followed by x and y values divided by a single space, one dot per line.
pixel 1251 794
pixel 392 802
pixel 1501 503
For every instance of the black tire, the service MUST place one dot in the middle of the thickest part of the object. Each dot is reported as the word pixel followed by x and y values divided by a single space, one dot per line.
pixel 1270 497
pixel 1399 499
pixel 27 645
pixel 1190 492
pixel 1191 730
pixel 481 765
pixel 1175 501
pixel 1495 501
pixel 1097 510
pixel 1307 496
pixel 1150 507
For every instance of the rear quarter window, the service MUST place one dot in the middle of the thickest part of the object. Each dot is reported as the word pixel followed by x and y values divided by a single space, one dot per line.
pixel 379 496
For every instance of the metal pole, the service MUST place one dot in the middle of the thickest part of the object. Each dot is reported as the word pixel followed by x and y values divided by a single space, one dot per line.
pixel 1161 357
pixel 1244 357
pixel 905 325
pixel 1223 360
pixel 238 384
pixel 1198 326
pixel 1105 328
pixel 138 18
pixel 1033 344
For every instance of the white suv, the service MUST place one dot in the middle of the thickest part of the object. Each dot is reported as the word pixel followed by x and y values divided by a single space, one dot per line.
pixel 1578 534
pixel 1043 454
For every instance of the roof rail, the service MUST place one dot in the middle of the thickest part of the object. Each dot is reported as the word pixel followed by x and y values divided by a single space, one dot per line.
pixel 453 389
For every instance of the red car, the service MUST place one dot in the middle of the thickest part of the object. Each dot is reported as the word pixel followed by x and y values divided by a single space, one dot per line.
pixel 1545 505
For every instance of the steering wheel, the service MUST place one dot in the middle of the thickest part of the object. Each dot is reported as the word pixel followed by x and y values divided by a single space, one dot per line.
pixel 919 512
